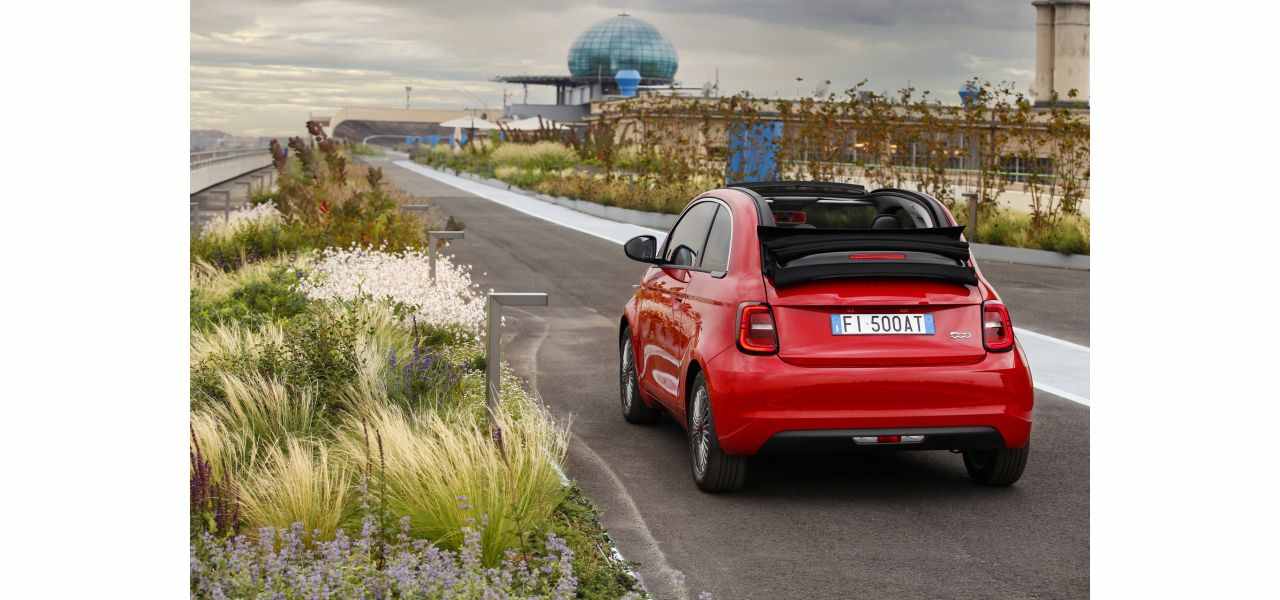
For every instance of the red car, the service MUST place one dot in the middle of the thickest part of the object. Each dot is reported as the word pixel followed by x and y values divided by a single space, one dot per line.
pixel 808 316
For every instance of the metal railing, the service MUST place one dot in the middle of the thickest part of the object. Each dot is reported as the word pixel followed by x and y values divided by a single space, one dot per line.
pixel 200 159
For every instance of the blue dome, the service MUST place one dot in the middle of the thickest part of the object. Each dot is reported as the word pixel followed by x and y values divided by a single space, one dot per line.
pixel 623 42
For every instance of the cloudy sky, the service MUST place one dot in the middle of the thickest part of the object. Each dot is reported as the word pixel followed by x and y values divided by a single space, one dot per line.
pixel 260 67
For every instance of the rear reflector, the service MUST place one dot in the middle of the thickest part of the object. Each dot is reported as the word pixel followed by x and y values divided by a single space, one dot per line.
pixel 868 440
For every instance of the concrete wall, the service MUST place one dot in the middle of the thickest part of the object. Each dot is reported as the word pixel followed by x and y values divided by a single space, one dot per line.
pixel 209 174
pixel 1071 49
pixel 1062 49
pixel 1043 88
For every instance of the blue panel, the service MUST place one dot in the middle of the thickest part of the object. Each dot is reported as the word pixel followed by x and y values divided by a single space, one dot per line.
pixel 928 323
pixel 753 152
pixel 835 325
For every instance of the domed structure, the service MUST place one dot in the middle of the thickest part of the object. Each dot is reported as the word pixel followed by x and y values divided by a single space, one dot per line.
pixel 619 43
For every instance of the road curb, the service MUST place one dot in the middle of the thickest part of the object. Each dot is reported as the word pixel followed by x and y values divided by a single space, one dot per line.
pixel 663 221
pixel 1029 256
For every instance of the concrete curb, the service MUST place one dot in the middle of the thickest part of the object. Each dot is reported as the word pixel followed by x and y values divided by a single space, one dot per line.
pixel 662 221
pixel 1029 256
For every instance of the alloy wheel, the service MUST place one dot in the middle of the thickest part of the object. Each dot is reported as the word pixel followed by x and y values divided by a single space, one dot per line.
pixel 627 374
pixel 700 431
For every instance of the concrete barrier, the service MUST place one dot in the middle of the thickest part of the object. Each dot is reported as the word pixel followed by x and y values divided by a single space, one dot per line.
pixel 208 172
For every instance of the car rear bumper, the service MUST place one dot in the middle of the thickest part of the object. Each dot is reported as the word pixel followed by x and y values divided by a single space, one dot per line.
pixel 761 400
pixel 836 441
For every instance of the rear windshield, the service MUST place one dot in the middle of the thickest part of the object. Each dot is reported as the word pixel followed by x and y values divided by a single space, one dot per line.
pixel 871 213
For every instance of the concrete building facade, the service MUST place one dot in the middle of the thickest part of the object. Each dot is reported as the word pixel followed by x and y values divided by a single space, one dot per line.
pixel 1062 50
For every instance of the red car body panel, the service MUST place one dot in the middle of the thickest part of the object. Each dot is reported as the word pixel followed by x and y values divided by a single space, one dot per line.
pixel 682 320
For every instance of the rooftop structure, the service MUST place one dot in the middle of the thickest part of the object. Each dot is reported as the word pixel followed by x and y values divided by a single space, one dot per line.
pixel 597 56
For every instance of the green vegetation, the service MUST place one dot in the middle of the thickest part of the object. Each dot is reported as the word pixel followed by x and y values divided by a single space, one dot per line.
pixel 365 150
pixel 656 152
pixel 324 416
pixel 1001 227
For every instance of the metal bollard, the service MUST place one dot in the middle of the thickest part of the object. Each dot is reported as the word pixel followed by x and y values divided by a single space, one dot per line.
pixel 493 352
pixel 972 206
pixel 432 236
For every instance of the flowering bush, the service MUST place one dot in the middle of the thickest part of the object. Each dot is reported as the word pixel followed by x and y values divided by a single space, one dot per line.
pixel 290 564
pixel 402 278
pixel 264 214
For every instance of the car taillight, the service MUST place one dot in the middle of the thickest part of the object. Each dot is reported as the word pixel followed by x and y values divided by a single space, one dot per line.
pixel 756 332
pixel 997 329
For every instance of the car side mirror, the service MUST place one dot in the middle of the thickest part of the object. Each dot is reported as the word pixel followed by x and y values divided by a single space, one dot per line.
pixel 642 248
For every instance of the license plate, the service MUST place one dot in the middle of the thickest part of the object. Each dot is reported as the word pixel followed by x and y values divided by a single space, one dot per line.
pixel 889 324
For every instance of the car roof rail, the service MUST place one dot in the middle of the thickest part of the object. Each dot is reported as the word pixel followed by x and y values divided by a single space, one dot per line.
pixel 769 188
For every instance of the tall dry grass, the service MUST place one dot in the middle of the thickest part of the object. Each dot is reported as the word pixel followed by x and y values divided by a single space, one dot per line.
pixel 446 475
pixel 298 482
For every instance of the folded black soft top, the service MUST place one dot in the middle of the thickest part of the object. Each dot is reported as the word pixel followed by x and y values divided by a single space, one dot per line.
pixel 783 245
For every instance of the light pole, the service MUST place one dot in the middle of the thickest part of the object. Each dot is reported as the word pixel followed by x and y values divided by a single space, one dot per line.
pixel 799 80
pixel 407 89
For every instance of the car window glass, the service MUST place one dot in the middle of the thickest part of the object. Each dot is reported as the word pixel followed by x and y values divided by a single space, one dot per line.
pixel 716 255
pixel 886 212
pixel 684 245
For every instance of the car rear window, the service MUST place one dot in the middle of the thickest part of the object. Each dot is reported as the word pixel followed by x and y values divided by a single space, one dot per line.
pixel 872 213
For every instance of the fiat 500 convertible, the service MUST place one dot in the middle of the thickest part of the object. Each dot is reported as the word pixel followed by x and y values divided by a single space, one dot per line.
pixel 820 317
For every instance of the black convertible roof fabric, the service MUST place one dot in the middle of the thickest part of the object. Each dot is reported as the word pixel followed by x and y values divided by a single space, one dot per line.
pixel 782 245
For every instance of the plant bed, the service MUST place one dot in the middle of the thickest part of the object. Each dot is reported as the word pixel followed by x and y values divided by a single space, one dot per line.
pixel 340 440
pixel 532 174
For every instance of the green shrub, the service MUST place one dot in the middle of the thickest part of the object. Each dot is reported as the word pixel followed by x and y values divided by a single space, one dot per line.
pixel 365 150
pixel 257 301
pixel 370 218
pixel 1065 236
pixel 543 156
pixel 320 351
pixel 249 243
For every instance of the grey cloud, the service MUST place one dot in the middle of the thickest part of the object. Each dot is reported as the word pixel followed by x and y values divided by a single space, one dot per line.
pixel 262 65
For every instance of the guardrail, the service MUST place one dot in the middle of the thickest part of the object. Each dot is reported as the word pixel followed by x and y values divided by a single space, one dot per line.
pixel 200 159
pixel 214 167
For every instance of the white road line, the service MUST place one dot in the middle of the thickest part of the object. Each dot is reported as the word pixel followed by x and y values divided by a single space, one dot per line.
pixel 1059 367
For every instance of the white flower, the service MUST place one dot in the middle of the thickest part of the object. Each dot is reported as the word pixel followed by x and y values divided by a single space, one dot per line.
pixel 262 214
pixel 400 277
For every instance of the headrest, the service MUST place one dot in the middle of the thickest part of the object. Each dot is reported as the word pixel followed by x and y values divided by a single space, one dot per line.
pixel 886 222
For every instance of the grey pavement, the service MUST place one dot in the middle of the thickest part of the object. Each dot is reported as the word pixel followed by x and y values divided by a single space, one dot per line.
pixel 907 525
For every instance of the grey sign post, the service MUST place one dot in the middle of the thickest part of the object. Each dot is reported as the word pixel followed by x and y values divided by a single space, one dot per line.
pixel 432 236
pixel 971 199
pixel 493 333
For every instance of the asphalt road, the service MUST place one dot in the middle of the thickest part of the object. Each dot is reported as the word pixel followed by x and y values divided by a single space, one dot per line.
pixel 908 525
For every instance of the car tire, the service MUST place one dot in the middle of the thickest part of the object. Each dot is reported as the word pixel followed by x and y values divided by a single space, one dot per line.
pixel 634 410
pixel 1000 467
pixel 713 470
